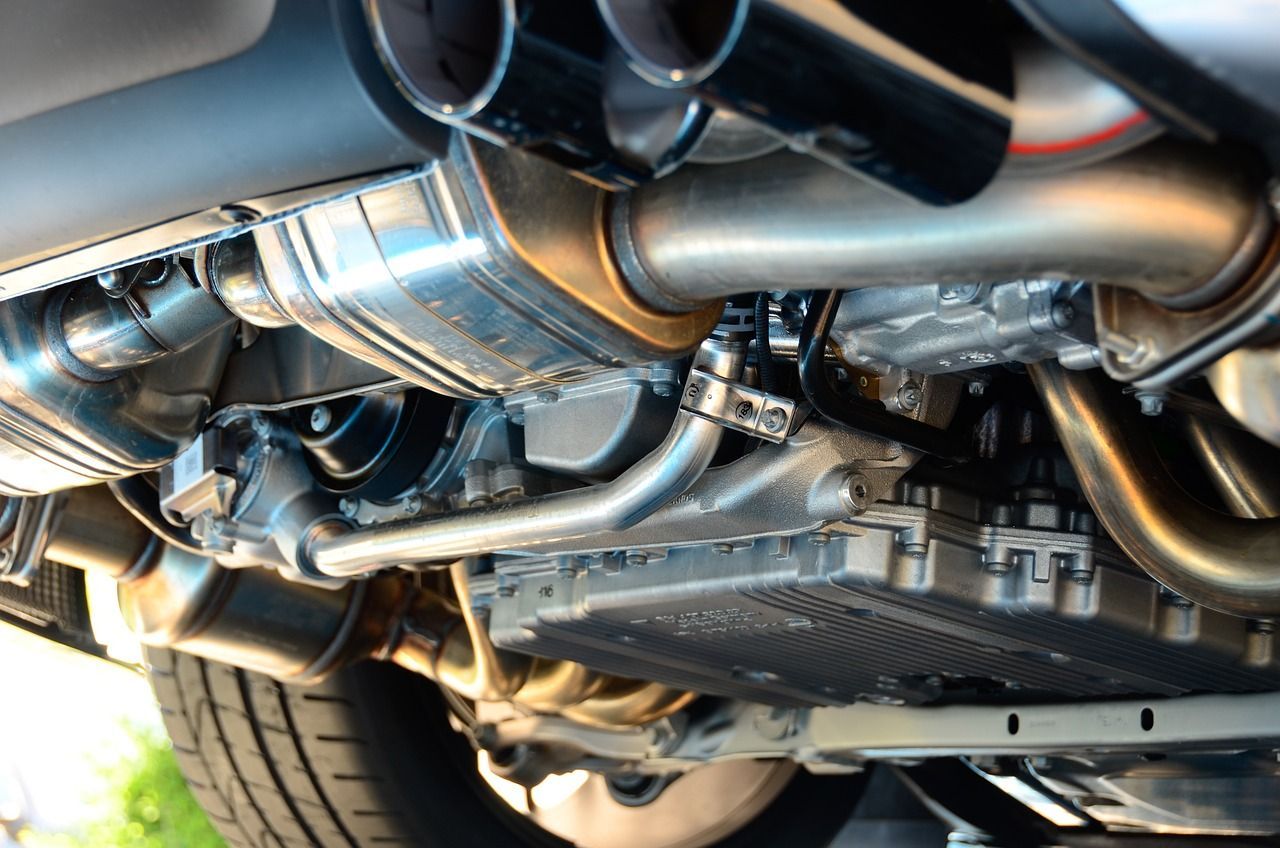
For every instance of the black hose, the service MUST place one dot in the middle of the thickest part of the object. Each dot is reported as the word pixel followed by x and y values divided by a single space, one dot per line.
pixel 143 502
pixel 856 413
pixel 764 353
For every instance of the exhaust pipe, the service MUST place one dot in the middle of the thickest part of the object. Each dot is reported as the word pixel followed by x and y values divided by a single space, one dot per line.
pixel 1220 561
pixel 1167 221
pixel 619 504
pixel 537 75
pixel 864 86
pixel 253 618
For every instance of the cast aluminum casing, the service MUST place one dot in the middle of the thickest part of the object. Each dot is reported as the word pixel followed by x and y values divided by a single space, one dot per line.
pixel 911 602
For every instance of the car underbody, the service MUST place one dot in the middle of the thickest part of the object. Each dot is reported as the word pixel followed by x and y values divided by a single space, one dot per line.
pixel 675 385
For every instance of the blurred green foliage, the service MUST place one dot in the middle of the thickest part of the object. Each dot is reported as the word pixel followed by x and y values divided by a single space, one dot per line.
pixel 145 803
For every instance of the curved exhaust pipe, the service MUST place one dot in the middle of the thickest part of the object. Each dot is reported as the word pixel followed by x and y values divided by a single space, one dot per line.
pixel 1168 221
pixel 1221 561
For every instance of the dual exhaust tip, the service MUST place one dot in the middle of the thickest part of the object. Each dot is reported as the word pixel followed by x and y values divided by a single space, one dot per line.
pixel 622 91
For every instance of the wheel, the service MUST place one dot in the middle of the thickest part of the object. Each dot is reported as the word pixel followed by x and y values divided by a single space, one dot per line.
pixel 369 758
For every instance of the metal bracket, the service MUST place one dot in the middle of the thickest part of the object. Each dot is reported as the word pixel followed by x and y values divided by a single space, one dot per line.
pixel 738 407
pixel 23 551
pixel 874 732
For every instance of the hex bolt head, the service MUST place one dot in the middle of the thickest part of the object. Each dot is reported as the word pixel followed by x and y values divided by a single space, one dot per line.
pixel 774 419
pixel 910 396
pixel 1062 314
pixel 1150 403
pixel 722 548
pixel 321 417
pixel 636 558
pixel 349 507
pixel 548 397
pixel 819 539
pixel 662 389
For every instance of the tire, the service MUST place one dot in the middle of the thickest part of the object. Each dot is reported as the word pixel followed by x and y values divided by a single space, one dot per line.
pixel 368 758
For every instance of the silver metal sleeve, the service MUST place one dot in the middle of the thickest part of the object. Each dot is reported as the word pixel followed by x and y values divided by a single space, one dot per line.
pixel 612 506
pixel 110 334
pixel 1164 220
pixel 1223 562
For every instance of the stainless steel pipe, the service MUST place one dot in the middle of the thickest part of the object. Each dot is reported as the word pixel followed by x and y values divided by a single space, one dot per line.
pixel 616 505
pixel 1166 220
pixel 1230 458
pixel 1220 561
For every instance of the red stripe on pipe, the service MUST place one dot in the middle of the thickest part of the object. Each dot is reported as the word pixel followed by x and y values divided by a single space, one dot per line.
pixel 1068 145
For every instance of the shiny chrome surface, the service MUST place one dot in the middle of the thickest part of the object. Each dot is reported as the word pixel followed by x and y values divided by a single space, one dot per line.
pixel 116 250
pixel 616 505
pixel 1223 562
pixel 1162 220
pixel 1238 467
pixel 60 428
pixel 1245 382
pixel 168 315
pixel 436 280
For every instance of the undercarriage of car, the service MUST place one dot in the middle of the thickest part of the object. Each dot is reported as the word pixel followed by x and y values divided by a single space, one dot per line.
pixel 700 397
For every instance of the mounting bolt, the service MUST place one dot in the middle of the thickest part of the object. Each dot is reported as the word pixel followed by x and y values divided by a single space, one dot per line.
pixel 774 419
pixel 662 389
pixel 507 586
pixel 1062 313
pixel 411 505
pixel 548 397
pixel 321 417
pixel 635 558
pixel 855 494
pixel 349 507
pixel 722 548
pixel 1151 403
pixel 819 538
pixel 909 396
